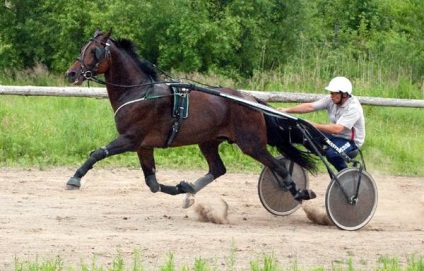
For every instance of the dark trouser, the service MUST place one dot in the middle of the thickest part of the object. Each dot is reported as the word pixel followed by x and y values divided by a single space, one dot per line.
pixel 332 156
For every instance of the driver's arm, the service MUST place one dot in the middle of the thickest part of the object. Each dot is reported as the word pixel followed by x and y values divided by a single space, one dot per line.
pixel 330 128
pixel 301 108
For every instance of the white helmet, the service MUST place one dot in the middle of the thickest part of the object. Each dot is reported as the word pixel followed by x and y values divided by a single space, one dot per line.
pixel 340 84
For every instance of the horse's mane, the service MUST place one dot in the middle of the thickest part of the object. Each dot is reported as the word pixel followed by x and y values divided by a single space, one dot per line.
pixel 144 65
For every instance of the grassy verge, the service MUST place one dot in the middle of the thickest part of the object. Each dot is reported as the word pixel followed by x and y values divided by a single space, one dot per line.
pixel 267 263
pixel 55 131
pixel 52 131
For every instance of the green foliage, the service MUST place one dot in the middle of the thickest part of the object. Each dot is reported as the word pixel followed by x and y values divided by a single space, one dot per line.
pixel 233 37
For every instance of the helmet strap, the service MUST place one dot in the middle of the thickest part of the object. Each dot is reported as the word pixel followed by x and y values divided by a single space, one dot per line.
pixel 343 97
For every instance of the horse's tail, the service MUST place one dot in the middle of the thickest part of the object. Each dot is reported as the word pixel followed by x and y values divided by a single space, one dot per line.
pixel 279 137
pixel 278 132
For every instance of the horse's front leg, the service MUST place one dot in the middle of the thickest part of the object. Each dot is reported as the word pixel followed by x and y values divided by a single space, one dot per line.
pixel 216 169
pixel 147 162
pixel 119 145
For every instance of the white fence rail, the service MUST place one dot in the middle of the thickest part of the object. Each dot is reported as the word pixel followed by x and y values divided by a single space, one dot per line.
pixel 96 92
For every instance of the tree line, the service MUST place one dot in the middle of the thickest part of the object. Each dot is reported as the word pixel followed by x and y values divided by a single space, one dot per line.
pixel 232 37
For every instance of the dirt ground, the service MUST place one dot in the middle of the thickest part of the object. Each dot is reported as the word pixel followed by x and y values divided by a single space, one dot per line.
pixel 114 213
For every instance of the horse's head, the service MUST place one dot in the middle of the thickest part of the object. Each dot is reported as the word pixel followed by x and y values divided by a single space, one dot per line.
pixel 93 59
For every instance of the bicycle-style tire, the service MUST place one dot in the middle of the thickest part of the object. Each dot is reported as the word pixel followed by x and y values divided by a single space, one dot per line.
pixel 276 199
pixel 346 215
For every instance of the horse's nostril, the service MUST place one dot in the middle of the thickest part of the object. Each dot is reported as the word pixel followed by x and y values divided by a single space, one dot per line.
pixel 71 76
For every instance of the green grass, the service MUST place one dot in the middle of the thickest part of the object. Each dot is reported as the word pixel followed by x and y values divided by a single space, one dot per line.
pixel 55 131
pixel 266 263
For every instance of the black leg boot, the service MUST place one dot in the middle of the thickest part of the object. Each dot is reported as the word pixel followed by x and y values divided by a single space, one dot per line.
pixel 301 194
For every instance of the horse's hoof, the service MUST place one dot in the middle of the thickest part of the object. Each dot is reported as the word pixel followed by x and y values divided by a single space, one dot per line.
pixel 155 188
pixel 152 184
pixel 188 200
pixel 74 183
pixel 71 187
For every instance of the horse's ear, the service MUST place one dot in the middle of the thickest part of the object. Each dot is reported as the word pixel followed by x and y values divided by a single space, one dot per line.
pixel 108 34
pixel 97 33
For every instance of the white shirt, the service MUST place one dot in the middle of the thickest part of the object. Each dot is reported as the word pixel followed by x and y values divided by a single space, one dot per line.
pixel 350 115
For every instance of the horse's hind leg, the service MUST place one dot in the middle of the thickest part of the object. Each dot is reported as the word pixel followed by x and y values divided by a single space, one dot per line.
pixel 265 157
pixel 119 145
pixel 298 194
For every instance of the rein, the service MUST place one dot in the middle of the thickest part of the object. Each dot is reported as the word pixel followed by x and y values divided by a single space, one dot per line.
pixel 99 81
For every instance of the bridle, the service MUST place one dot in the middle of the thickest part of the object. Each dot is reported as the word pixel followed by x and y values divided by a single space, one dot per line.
pixel 101 55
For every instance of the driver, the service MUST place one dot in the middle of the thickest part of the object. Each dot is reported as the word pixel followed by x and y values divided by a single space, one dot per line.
pixel 347 123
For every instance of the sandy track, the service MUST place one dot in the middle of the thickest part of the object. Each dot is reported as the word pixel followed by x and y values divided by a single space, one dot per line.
pixel 115 214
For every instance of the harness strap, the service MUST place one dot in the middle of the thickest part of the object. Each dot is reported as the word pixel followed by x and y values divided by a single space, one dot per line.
pixel 174 130
pixel 180 102
pixel 179 115
pixel 139 100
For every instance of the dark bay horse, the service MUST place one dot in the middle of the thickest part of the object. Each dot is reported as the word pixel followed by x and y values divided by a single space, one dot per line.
pixel 143 107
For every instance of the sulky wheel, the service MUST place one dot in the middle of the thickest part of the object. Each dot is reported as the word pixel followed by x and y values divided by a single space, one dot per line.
pixel 346 212
pixel 275 198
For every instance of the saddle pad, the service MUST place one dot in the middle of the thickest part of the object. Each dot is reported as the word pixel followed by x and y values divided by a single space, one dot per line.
pixel 180 103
